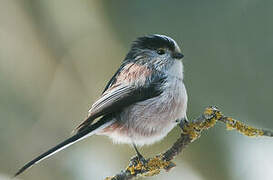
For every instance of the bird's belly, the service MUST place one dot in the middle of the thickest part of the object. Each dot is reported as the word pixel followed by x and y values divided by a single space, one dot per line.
pixel 149 121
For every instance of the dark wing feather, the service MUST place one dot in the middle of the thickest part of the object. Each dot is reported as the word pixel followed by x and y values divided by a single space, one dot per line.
pixel 112 80
pixel 119 96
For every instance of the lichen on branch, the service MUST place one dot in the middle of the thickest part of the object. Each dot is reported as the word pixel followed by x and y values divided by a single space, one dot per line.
pixel 190 132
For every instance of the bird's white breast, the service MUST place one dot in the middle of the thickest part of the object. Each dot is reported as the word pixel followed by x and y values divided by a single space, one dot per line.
pixel 149 121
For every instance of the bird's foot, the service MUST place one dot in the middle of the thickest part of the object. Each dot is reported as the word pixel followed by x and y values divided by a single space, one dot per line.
pixel 138 159
pixel 182 122
pixel 142 159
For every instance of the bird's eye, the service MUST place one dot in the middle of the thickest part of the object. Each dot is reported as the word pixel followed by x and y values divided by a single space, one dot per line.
pixel 160 51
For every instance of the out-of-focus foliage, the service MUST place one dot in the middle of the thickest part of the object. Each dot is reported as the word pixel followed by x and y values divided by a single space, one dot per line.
pixel 56 57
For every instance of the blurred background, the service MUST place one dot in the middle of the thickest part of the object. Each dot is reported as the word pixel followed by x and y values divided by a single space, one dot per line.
pixel 57 56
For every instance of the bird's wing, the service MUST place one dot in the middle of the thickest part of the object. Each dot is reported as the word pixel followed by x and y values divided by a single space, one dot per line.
pixel 125 88
pixel 121 92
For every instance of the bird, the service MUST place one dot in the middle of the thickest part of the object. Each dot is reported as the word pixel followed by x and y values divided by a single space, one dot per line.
pixel 143 101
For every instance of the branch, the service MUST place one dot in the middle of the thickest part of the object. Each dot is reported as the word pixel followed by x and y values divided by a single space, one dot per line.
pixel 190 132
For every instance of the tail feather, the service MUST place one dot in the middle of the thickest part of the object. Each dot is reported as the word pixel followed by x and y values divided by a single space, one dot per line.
pixel 77 137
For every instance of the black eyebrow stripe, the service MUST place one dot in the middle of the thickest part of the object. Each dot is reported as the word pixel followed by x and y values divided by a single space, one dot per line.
pixel 153 42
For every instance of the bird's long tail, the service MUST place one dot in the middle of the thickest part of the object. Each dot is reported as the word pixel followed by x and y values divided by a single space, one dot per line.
pixel 77 137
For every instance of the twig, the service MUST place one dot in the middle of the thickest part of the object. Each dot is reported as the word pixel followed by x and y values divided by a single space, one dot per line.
pixel 190 132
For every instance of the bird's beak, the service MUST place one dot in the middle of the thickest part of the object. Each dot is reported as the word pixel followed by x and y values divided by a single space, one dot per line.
pixel 177 55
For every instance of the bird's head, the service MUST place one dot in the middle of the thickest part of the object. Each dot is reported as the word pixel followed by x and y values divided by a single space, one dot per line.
pixel 154 50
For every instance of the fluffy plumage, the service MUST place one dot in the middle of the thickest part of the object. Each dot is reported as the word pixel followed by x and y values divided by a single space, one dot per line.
pixel 142 102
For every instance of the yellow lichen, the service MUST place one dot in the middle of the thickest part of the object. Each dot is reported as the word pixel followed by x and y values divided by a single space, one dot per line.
pixel 209 111
pixel 229 123
pixel 155 164
pixel 133 168
pixel 219 115
pixel 152 167
pixel 242 128
pixel 193 129
pixel 208 124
